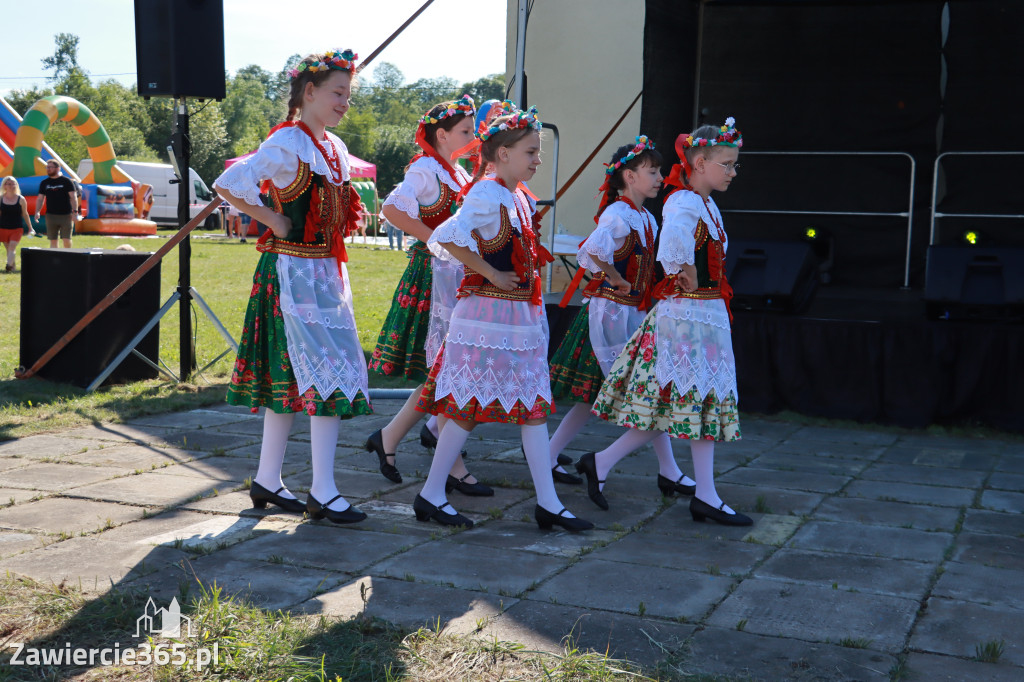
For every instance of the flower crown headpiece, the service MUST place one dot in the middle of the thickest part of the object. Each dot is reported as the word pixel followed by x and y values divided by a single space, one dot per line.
pixel 520 119
pixel 464 105
pixel 333 59
pixel 642 143
pixel 727 136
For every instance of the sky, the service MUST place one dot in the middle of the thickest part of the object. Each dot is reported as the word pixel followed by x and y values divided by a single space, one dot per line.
pixel 263 32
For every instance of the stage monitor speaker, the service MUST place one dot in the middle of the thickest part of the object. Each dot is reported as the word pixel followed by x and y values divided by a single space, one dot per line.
pixel 771 275
pixel 59 286
pixel 179 48
pixel 970 282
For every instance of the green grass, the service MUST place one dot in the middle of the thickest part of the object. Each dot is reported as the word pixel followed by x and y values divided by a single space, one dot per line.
pixel 257 644
pixel 222 273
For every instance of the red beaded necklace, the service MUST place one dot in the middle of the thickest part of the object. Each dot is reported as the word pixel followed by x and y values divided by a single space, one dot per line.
pixel 707 206
pixel 332 159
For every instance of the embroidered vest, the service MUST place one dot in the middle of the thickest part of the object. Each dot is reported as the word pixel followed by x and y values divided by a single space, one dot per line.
pixel 636 265
pixel 442 209
pixel 709 259
pixel 318 211
pixel 500 252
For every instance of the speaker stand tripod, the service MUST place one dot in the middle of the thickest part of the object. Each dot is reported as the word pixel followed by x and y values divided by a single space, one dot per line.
pixel 162 368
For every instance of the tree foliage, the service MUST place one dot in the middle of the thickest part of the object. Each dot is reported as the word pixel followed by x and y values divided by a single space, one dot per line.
pixel 379 126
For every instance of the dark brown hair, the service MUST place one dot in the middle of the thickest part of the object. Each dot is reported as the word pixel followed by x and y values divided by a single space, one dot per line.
pixel 616 183
pixel 503 138
pixel 446 123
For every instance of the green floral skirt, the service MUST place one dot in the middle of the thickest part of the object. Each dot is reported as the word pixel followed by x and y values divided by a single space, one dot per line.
pixel 631 397
pixel 400 344
pixel 575 372
pixel 263 375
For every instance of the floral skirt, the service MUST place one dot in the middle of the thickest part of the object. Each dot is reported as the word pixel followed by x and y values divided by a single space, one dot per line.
pixel 631 397
pixel 473 410
pixel 263 374
pixel 401 342
pixel 575 372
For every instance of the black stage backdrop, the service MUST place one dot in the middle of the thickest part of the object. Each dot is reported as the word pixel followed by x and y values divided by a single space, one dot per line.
pixel 920 77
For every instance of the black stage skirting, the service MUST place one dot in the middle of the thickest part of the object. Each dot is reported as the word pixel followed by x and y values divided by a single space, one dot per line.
pixel 874 357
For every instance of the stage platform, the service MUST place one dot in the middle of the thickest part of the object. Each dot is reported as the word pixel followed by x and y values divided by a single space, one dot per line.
pixel 871 355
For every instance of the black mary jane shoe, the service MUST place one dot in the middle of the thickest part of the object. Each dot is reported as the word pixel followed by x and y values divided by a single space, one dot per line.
pixel 563 477
pixel 426 511
pixel 375 443
pixel 588 467
pixel 477 489
pixel 546 519
pixel 427 439
pixel 319 511
pixel 669 488
pixel 563 460
pixel 701 510
pixel 260 496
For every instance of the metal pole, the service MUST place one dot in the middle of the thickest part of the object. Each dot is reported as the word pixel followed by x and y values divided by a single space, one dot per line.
pixel 184 149
pixel 520 72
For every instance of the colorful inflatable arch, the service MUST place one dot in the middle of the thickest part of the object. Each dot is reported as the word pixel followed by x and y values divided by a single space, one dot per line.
pixel 26 162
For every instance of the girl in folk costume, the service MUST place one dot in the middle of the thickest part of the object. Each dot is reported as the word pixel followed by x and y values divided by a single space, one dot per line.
pixel 677 373
pixel 493 365
pixel 621 251
pixel 424 199
pixel 299 350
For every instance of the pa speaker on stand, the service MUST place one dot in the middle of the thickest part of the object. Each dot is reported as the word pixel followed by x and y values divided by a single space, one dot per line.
pixel 771 275
pixel 179 48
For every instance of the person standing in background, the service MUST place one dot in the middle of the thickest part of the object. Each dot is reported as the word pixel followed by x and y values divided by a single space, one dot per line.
pixel 57 194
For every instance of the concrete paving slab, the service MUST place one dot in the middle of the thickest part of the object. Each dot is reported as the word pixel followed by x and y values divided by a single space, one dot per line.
pixel 121 433
pixel 768 498
pixel 471 567
pixel 152 489
pixel 357 485
pixel 594 583
pixel 142 531
pixel 957 628
pixel 929 442
pixel 1003 500
pixel 771 529
pixel 213 533
pixel 55 477
pixel 767 429
pixel 295 453
pixel 835 449
pixel 47 446
pixel 999 551
pixel 254 427
pixel 193 419
pixel 817 614
pixel 397 518
pixel 984 521
pixel 909 492
pixel 937 456
pixel 341 549
pixel 624 512
pixel 855 538
pixel 1002 480
pixel 932 668
pixel 134 457
pixel 13 542
pixel 94 564
pixel 14 462
pixel 204 440
pixel 675 521
pixel 858 436
pixel 66 515
pixel 217 468
pixel 982 584
pixel 555 627
pixel 517 535
pixel 704 555
pixel 924 475
pixel 268 586
pixel 1012 463
pixel 787 461
pixel 879 513
pixel 735 654
pixel 409 604
pixel 789 480
pixel 879 575
pixel 9 496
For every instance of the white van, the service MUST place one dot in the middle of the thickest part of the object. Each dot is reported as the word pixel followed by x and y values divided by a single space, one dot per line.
pixel 165 193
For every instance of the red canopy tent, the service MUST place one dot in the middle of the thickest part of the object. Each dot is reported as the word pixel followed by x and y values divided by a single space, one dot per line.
pixel 359 168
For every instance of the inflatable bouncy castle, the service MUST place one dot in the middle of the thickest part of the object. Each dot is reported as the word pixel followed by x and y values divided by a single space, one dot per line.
pixel 113 201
